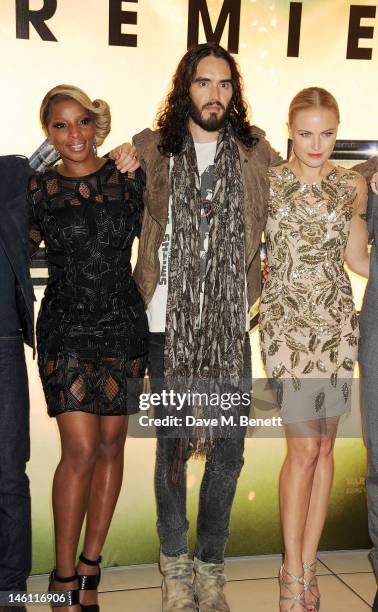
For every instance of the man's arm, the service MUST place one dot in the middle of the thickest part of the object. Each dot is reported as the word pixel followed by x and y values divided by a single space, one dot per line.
pixel 125 157
pixel 272 156
pixel 46 155
pixel 15 173
pixel 134 154
pixel 369 170
pixel 275 158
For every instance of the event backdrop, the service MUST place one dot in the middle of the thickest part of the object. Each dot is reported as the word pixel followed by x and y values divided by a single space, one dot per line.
pixel 126 52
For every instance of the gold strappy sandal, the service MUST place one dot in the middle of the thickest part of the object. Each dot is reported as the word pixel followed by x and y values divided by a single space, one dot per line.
pixel 287 580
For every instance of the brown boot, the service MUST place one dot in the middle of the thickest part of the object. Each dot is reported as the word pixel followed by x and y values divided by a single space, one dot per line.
pixel 209 581
pixel 177 583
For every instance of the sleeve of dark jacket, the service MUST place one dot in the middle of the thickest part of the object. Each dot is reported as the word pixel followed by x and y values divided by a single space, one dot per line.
pixel 14 175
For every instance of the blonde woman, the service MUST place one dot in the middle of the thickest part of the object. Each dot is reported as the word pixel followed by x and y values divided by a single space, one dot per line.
pixel 309 328
pixel 91 329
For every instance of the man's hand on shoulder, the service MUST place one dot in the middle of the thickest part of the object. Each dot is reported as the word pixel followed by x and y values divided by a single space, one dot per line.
pixel 125 157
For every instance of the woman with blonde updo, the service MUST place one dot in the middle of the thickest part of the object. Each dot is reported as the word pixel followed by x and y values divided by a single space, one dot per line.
pixel 308 324
pixel 91 330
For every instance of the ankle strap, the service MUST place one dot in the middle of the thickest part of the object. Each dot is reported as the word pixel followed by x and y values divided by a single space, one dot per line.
pixel 310 566
pixel 63 579
pixel 284 572
pixel 84 559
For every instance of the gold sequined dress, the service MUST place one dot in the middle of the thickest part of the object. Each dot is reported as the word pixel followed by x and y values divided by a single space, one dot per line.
pixel 308 324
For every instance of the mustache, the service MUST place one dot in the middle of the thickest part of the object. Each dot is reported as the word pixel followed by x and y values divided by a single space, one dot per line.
pixel 215 103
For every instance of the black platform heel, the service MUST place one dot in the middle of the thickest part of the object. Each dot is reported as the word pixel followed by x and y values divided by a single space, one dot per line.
pixel 89 583
pixel 72 596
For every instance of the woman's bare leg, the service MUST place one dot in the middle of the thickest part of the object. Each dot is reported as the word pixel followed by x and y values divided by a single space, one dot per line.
pixel 79 433
pixel 105 487
pixel 317 512
pixel 296 481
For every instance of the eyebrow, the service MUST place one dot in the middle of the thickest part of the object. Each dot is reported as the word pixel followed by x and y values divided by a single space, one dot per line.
pixel 79 117
pixel 309 131
pixel 199 78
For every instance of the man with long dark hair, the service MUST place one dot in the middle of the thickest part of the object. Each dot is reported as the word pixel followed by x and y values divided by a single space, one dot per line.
pixel 198 271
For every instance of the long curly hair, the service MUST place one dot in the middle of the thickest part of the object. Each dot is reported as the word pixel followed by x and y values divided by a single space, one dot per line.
pixel 173 116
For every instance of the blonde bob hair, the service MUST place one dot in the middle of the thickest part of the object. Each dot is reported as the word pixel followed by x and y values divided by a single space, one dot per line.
pixel 312 97
pixel 98 109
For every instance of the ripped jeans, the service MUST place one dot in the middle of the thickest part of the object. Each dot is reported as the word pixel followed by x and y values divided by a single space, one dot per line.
pixel 223 465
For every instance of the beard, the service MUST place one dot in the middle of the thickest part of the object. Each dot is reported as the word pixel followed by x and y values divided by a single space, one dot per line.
pixel 215 122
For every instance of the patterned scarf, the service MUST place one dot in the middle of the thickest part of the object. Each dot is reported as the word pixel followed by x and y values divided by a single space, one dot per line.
pixel 206 347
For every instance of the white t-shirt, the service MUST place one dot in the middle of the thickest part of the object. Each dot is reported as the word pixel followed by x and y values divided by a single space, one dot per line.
pixel 157 308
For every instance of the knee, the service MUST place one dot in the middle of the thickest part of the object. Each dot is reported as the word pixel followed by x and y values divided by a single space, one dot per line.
pixel 13 478
pixel 13 460
pixel 306 454
pixel 372 471
pixel 371 441
pixel 226 456
pixel 166 450
pixel 80 460
pixel 112 445
pixel 326 448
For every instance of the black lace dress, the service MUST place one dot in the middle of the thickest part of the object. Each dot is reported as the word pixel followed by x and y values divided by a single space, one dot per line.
pixel 92 331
